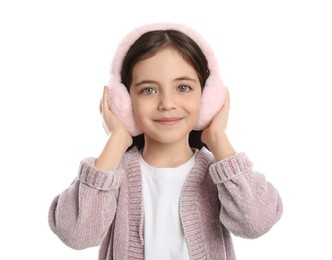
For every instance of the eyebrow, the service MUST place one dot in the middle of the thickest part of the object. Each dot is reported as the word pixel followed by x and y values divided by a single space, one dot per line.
pixel 184 78
pixel 145 82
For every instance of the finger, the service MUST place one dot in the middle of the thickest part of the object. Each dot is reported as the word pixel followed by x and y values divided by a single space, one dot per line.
pixel 227 96
pixel 227 101
pixel 100 105
pixel 105 99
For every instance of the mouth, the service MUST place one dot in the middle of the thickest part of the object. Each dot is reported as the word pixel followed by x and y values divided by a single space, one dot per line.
pixel 168 120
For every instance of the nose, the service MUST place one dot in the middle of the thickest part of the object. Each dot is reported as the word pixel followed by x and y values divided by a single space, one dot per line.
pixel 166 102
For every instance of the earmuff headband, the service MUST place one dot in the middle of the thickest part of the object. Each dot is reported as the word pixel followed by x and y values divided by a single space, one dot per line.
pixel 214 91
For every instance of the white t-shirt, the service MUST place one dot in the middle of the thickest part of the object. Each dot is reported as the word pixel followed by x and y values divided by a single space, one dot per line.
pixel 163 233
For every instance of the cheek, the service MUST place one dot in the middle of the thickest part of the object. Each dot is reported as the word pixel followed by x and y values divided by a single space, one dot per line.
pixel 140 111
pixel 136 110
pixel 197 112
pixel 195 106
pixel 135 103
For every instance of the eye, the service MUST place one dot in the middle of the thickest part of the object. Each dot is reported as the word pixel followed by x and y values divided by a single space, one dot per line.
pixel 148 91
pixel 184 88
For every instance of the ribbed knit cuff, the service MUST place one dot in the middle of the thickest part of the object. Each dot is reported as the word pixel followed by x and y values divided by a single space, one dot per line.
pixel 96 178
pixel 226 169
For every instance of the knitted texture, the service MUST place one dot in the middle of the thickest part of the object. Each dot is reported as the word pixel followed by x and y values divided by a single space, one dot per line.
pixel 218 198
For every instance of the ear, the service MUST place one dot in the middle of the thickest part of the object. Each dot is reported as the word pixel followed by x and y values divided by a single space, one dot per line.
pixel 120 104
pixel 213 98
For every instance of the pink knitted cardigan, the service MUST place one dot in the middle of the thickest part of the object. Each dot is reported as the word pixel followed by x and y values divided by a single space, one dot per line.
pixel 106 208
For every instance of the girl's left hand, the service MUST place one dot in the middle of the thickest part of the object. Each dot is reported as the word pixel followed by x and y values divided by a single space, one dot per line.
pixel 218 124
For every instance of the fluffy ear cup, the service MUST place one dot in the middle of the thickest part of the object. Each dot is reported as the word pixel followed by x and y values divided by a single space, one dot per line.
pixel 120 104
pixel 213 98
pixel 214 91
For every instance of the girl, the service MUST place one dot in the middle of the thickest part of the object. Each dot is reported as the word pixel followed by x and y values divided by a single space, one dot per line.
pixel 168 183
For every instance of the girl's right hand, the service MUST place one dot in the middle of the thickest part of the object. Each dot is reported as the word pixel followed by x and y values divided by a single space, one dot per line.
pixel 111 123
pixel 119 140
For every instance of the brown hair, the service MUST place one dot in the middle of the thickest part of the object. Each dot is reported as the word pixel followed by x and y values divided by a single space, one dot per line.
pixel 146 46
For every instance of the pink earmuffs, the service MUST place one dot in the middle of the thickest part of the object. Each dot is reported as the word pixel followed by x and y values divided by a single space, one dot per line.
pixel 214 91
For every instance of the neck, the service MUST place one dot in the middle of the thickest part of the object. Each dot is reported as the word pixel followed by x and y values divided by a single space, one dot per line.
pixel 166 155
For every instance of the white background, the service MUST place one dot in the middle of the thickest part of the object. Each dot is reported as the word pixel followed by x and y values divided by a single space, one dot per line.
pixel 274 56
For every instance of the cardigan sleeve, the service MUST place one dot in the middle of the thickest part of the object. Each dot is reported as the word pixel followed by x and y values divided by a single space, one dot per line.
pixel 82 214
pixel 250 205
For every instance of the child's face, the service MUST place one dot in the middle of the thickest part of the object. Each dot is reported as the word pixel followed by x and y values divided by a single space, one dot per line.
pixel 166 96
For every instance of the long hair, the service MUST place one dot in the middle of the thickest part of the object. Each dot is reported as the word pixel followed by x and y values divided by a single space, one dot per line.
pixel 147 46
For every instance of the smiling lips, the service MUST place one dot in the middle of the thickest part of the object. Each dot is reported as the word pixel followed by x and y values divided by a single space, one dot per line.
pixel 168 120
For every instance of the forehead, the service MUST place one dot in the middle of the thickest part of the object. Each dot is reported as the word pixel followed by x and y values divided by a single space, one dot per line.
pixel 165 61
